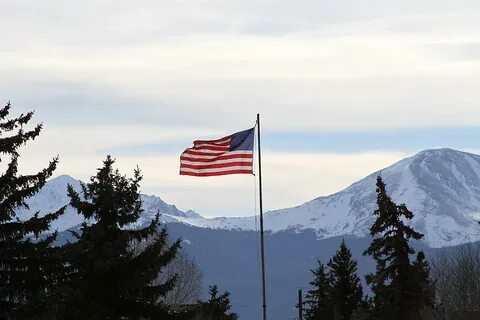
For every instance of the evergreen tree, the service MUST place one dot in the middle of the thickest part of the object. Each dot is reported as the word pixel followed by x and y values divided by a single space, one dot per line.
pixel 218 306
pixel 396 284
pixel 346 290
pixel 29 267
pixel 110 279
pixel 423 286
pixel 318 304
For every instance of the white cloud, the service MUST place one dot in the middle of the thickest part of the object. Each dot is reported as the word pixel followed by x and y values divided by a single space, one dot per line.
pixel 105 74
pixel 289 178
pixel 338 66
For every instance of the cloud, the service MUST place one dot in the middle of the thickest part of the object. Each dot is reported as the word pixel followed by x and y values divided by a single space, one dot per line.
pixel 464 51
pixel 311 94
pixel 289 178
pixel 301 82
pixel 129 78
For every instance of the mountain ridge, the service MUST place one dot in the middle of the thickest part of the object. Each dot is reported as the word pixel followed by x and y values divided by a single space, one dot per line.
pixel 53 196
pixel 440 186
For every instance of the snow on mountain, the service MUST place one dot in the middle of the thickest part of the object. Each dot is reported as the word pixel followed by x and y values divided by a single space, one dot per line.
pixel 54 196
pixel 441 187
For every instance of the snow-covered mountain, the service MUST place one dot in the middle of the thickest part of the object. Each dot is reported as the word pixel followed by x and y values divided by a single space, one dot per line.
pixel 441 187
pixel 54 196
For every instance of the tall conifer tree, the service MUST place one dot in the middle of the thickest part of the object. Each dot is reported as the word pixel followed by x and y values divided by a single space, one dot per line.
pixel 110 278
pixel 346 290
pixel 318 303
pixel 397 284
pixel 28 265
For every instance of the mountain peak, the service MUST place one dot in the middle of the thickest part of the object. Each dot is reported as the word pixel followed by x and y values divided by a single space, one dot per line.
pixel 440 150
pixel 443 152
pixel 53 196
pixel 440 186
pixel 63 179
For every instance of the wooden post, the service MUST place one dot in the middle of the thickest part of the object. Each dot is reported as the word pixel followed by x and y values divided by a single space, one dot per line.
pixel 300 305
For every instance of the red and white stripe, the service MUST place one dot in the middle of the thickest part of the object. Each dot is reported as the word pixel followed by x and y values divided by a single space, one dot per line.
pixel 213 158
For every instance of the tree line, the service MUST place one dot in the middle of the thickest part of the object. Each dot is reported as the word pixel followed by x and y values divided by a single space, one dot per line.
pixel 116 270
pixel 401 286
pixel 404 286
pixel 113 269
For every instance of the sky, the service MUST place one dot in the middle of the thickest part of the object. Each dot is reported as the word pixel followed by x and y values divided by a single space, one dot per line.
pixel 344 88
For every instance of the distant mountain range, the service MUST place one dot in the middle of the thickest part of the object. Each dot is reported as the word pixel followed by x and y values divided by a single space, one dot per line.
pixel 441 187
pixel 54 196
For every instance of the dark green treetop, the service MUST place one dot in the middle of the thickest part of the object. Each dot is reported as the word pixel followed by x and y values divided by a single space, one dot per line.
pixel 346 289
pixel 114 264
pixel 396 285
pixel 218 306
pixel 29 267
pixel 318 302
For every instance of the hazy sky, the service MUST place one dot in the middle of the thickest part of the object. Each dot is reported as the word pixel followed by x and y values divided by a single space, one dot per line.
pixel 345 87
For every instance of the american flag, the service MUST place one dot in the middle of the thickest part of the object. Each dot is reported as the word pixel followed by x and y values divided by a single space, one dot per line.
pixel 228 155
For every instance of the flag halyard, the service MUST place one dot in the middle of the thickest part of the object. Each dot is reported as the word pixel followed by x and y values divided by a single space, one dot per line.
pixel 228 155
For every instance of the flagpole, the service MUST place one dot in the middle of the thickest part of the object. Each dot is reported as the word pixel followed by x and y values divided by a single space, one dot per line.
pixel 262 245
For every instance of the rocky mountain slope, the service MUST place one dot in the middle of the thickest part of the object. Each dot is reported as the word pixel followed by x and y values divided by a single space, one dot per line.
pixel 54 196
pixel 441 187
